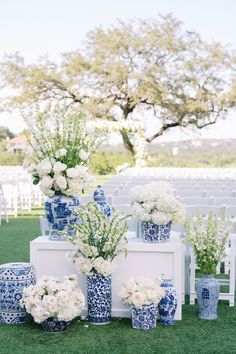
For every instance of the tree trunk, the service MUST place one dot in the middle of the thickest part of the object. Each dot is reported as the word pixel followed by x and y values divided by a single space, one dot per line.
pixel 127 143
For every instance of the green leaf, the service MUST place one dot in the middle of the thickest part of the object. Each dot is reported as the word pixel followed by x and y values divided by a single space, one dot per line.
pixel 36 180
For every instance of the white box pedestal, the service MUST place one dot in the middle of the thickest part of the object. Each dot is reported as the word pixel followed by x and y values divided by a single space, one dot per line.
pixel 143 259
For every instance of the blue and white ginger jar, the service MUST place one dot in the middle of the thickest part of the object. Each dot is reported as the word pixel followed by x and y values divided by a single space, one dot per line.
pixel 208 290
pixel 14 277
pixel 100 199
pixel 168 304
pixel 99 299
pixel 154 233
pixel 61 215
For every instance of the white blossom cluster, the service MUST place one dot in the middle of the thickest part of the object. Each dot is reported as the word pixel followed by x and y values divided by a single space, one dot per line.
pixel 141 291
pixel 98 240
pixel 51 298
pixel 209 239
pixel 59 152
pixel 156 202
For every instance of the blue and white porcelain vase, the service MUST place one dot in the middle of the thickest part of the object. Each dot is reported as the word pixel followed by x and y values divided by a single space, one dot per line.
pixel 14 277
pixel 145 317
pixel 100 199
pixel 168 304
pixel 154 233
pixel 60 213
pixel 52 324
pixel 208 290
pixel 99 299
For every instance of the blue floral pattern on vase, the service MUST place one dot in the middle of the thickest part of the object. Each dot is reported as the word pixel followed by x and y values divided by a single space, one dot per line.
pixel 14 277
pixel 154 233
pixel 100 199
pixel 60 214
pixel 52 324
pixel 145 317
pixel 208 290
pixel 168 304
pixel 99 299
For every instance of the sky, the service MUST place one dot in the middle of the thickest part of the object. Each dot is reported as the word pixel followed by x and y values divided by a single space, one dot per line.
pixel 37 28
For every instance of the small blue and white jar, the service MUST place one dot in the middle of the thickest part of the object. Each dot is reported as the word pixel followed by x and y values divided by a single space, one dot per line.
pixel 52 324
pixel 61 215
pixel 100 199
pixel 145 317
pixel 168 304
pixel 154 233
pixel 99 299
pixel 14 277
pixel 208 290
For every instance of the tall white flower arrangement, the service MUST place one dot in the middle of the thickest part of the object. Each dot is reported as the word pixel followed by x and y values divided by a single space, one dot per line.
pixel 208 239
pixel 98 241
pixel 156 202
pixel 59 151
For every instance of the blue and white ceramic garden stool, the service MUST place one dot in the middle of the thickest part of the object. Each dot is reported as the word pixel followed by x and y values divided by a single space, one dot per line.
pixel 14 277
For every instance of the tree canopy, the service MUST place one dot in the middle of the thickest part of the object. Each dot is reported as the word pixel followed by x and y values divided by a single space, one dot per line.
pixel 131 68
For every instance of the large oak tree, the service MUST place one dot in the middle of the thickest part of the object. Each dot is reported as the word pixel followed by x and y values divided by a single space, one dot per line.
pixel 128 69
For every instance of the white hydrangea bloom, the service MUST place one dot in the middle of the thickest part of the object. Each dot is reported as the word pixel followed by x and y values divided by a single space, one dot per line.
pixel 59 167
pixel 83 155
pixel 61 182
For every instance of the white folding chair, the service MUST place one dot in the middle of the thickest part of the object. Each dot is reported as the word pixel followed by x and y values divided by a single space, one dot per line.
pixel 189 193
pixel 196 201
pixel 3 209
pixel 203 210
pixel 44 228
pixel 124 199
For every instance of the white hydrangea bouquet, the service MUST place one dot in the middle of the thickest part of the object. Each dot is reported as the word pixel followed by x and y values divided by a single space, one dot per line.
pixel 155 202
pixel 51 298
pixel 140 291
pixel 208 239
pixel 60 147
pixel 98 240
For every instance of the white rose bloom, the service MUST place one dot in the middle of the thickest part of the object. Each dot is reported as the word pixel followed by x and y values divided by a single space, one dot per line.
pixel 46 191
pixel 59 167
pixel 44 167
pixel 61 182
pixel 83 155
pixel 82 171
pixel 72 172
pixel 60 153
pixel 47 182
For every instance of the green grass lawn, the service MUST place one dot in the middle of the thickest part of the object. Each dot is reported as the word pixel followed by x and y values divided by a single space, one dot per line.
pixel 190 335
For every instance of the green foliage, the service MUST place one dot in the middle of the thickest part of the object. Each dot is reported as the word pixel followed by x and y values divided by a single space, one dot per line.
pixel 8 158
pixel 5 133
pixel 106 162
